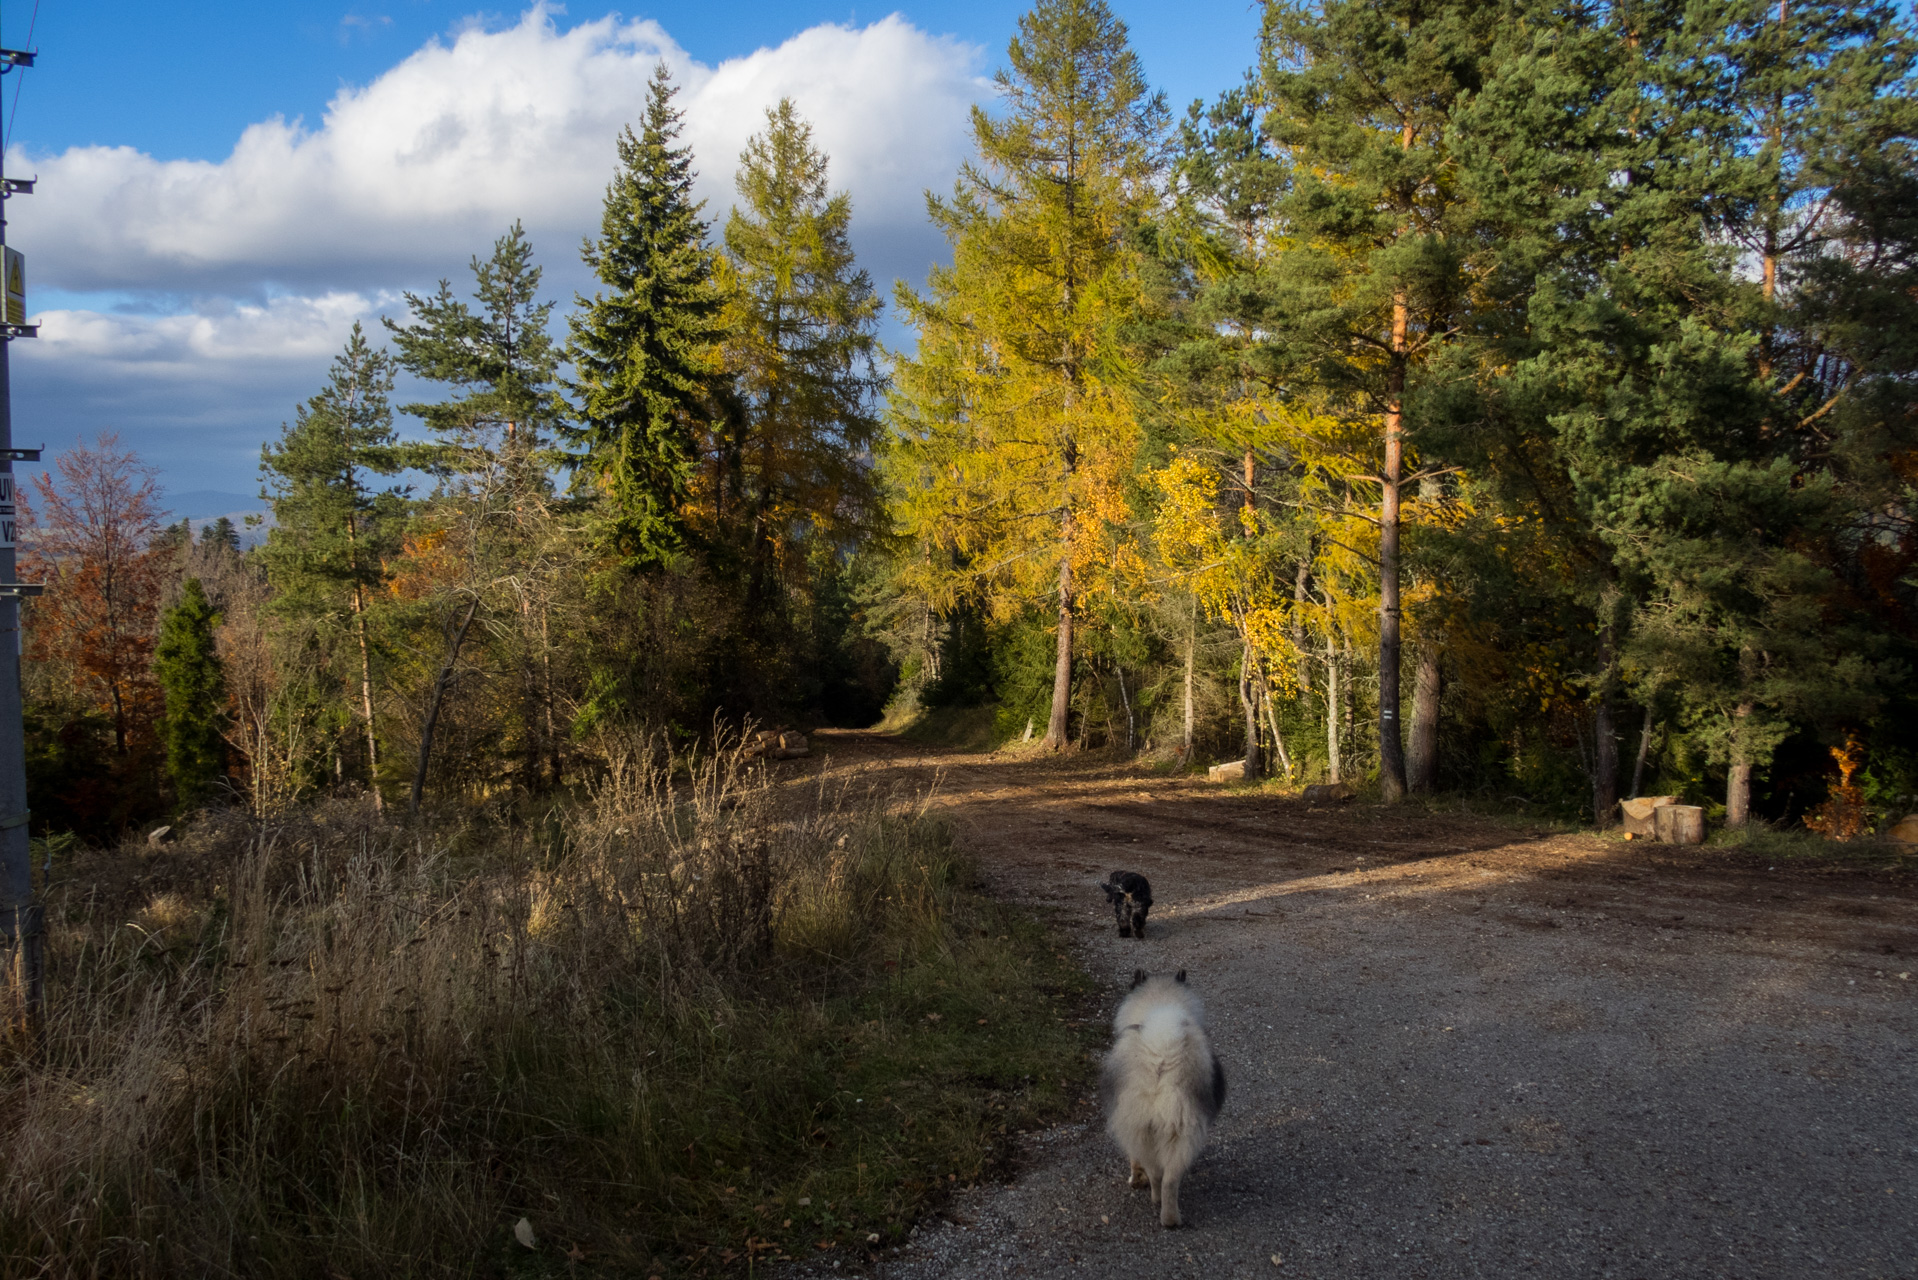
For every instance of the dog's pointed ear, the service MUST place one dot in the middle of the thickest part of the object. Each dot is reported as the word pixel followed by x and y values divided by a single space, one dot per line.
pixel 1138 976
pixel 1179 976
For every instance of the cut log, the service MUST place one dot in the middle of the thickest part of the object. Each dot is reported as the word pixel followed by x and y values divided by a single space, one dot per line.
pixel 1638 813
pixel 1227 772
pixel 1679 824
pixel 1905 830
pixel 1328 793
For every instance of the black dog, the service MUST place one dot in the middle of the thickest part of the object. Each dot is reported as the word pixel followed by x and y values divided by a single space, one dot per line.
pixel 1131 897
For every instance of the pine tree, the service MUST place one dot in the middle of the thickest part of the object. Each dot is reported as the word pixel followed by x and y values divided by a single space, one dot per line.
pixel 1381 268
pixel 332 531
pixel 187 666
pixel 494 460
pixel 1016 436
pixel 643 350
pixel 799 319
pixel 499 355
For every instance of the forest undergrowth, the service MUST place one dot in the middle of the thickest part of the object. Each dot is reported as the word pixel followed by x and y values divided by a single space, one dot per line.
pixel 695 1020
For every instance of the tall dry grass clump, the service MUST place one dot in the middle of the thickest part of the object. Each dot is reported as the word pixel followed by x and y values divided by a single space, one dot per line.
pixel 328 1046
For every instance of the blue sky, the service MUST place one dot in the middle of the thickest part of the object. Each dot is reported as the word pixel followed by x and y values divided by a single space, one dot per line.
pixel 227 187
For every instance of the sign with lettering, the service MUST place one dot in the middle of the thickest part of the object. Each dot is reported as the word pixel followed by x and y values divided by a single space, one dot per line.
pixel 8 520
pixel 16 289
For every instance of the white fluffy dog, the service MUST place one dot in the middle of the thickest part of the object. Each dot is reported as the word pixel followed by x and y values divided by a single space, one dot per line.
pixel 1162 1087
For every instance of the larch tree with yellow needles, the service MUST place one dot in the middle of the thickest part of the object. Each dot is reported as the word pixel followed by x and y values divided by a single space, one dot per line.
pixel 1015 441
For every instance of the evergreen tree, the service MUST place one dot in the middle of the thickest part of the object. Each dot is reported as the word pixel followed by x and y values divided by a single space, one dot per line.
pixel 1016 435
pixel 794 466
pixel 187 666
pixel 1381 267
pixel 220 533
pixel 332 531
pixel 494 502
pixel 643 350
pixel 500 358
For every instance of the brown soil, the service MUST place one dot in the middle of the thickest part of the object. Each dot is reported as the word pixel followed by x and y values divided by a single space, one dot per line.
pixel 1458 1046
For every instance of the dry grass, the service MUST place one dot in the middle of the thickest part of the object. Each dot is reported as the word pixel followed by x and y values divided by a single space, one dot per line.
pixel 674 1029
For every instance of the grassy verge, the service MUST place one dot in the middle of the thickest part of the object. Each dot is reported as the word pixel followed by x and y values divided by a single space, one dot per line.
pixel 975 729
pixel 1760 845
pixel 678 1033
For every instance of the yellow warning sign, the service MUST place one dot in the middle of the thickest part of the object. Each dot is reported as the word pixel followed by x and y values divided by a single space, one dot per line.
pixel 16 287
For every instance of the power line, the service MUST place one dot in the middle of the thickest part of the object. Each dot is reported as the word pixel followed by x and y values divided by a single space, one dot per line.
pixel 13 114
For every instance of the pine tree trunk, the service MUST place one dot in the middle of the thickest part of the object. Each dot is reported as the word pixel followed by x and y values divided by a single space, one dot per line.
pixel 1055 739
pixel 1738 783
pixel 1604 739
pixel 366 701
pixel 1604 764
pixel 440 686
pixel 1391 752
pixel 1644 749
pixel 554 763
pixel 1421 765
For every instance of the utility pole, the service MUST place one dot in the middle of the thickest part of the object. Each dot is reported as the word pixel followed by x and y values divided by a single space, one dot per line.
pixel 22 927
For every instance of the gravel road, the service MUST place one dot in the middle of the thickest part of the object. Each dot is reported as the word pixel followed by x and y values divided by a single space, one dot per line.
pixel 1457 1047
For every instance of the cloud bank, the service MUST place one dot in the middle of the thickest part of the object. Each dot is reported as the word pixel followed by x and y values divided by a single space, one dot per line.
pixel 235 280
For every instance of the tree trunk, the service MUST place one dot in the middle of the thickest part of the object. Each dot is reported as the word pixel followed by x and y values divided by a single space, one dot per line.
pixel 1191 646
pixel 440 685
pixel 366 701
pixel 1391 752
pixel 1249 702
pixel 1604 764
pixel 1332 713
pixel 554 763
pixel 1738 783
pixel 1301 584
pixel 1055 739
pixel 1272 723
pixel 1604 739
pixel 1644 749
pixel 1421 766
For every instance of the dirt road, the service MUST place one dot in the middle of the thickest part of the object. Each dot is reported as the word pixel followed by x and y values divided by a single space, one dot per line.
pixel 1456 1047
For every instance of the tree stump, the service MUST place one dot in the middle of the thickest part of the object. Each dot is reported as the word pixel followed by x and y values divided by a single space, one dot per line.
pixel 1638 813
pixel 1679 824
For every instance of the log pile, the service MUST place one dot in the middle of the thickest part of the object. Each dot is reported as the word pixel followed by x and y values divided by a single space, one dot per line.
pixel 776 744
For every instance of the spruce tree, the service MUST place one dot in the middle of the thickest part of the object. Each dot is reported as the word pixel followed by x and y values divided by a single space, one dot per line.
pixel 642 349
pixel 187 666
pixel 332 529
pixel 1016 433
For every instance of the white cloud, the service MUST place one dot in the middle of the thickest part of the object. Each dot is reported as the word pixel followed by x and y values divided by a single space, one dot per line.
pixel 299 231
pixel 463 137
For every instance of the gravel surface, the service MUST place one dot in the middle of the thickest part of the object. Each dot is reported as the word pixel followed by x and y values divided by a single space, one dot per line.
pixel 1456 1047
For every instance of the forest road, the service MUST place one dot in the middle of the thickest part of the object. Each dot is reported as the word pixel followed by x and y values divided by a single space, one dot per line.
pixel 1456 1046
